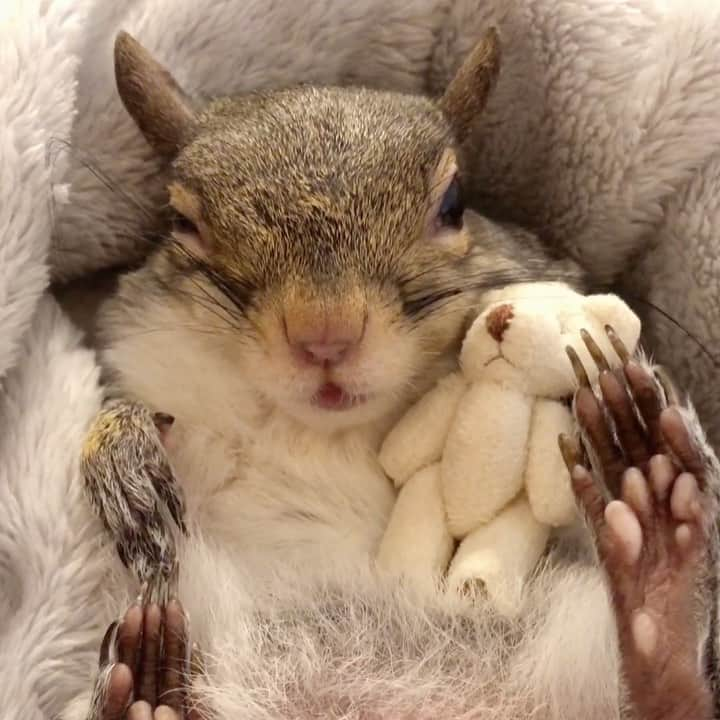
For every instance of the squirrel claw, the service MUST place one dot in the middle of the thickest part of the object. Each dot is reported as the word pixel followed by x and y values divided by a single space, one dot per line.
pixel 618 345
pixel 595 352
pixel 578 367
pixel 571 451
pixel 108 642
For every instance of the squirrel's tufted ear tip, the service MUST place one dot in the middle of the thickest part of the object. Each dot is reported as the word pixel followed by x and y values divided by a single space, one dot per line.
pixel 468 92
pixel 152 97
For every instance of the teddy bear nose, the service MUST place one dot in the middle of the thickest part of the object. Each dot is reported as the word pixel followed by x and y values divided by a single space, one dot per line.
pixel 498 321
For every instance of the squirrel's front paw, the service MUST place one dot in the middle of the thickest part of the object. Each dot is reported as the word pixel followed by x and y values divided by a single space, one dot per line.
pixel 132 487
pixel 649 493
pixel 144 667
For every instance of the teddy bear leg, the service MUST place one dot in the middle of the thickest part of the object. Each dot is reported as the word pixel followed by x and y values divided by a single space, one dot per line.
pixel 417 544
pixel 498 556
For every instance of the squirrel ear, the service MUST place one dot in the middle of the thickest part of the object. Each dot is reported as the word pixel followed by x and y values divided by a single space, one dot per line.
pixel 469 90
pixel 152 97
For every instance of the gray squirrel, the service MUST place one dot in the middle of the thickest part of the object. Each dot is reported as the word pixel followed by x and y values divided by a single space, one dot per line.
pixel 318 274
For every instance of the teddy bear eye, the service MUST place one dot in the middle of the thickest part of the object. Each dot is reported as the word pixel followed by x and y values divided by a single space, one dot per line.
pixel 450 213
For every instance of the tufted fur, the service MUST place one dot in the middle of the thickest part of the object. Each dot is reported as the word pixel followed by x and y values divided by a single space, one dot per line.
pixel 357 649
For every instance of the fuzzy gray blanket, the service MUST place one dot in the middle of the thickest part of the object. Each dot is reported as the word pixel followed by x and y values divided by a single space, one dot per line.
pixel 602 136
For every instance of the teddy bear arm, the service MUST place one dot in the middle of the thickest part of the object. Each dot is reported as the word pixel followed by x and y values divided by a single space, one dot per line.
pixel 547 480
pixel 484 459
pixel 419 437
pixel 417 544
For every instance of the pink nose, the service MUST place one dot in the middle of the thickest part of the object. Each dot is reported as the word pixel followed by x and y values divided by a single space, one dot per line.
pixel 324 353
pixel 322 339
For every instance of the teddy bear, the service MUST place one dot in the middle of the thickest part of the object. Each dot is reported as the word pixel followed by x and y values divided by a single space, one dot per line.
pixel 481 480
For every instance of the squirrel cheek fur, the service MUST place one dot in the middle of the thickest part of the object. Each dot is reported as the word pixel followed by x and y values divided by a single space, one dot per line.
pixel 314 282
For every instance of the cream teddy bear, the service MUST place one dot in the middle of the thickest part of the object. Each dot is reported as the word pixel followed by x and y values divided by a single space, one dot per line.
pixel 477 459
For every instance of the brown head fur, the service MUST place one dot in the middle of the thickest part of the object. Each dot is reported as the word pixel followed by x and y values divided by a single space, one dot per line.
pixel 309 215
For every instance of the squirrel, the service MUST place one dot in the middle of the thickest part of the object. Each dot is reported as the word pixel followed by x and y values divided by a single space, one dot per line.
pixel 318 275
pixel 319 271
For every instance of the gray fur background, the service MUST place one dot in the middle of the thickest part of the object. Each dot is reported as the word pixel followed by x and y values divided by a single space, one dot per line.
pixel 602 135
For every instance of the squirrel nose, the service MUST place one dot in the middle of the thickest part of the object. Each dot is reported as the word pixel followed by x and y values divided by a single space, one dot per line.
pixel 324 353
pixel 323 339
pixel 498 321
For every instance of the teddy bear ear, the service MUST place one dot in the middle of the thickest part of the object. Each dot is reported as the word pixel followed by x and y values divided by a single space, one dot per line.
pixel 483 337
pixel 609 309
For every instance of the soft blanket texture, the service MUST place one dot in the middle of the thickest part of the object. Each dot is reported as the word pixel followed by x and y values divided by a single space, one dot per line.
pixel 602 135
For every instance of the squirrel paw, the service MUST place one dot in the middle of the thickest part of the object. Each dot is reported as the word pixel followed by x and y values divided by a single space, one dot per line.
pixel 144 668
pixel 648 485
pixel 133 489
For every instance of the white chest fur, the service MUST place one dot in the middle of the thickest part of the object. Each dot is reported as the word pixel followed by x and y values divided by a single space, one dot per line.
pixel 278 494
pixel 254 478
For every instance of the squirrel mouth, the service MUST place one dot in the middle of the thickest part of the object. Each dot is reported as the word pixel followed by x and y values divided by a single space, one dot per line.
pixel 332 397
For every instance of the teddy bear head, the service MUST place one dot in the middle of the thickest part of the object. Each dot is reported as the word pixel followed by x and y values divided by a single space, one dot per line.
pixel 520 339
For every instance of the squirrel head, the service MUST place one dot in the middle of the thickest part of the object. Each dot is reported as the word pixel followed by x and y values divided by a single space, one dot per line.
pixel 322 226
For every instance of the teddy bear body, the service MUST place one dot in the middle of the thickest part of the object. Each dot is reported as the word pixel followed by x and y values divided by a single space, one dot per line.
pixel 482 482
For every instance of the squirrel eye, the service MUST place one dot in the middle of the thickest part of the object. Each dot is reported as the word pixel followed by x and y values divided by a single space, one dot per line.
pixel 450 213
pixel 187 234
pixel 181 224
